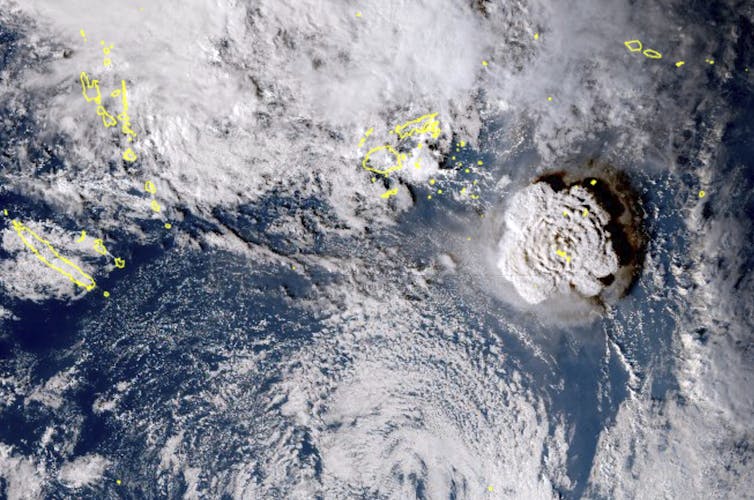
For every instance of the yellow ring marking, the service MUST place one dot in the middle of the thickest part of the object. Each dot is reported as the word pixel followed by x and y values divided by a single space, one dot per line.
pixel 392 168
pixel 88 282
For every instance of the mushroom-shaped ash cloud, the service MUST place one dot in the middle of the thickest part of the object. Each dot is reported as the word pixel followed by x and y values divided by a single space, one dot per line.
pixel 558 240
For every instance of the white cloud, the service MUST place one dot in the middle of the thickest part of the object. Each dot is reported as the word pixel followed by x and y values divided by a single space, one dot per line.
pixel 24 478
pixel 83 471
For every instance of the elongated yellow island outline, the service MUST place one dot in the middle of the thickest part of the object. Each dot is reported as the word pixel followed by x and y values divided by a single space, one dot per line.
pixel 389 193
pixel 366 134
pixel 66 268
pixel 422 125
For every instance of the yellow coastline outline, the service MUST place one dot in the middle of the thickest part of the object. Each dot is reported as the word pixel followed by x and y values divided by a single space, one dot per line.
pixel 99 247
pixel 389 193
pixel 562 253
pixel 364 139
pixel 430 125
pixel 633 45
pixel 87 84
pixel 425 124
pixel 398 165
pixel 20 229
pixel 129 155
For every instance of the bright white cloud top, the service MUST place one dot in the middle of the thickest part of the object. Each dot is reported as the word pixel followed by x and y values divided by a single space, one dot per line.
pixel 556 243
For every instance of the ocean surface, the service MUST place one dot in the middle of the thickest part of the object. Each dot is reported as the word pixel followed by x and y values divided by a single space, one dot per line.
pixel 292 339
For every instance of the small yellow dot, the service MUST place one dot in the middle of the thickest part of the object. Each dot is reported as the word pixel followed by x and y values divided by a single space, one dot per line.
pixel 117 481
pixel 480 162
pixel 463 144
pixel 374 179
pixel 565 213
pixel 467 170
pixel 679 64
pixel 416 165
pixel 293 267
pixel 549 98
pixel 702 194
pixel 168 225
pixel 439 191
pixel 468 238
pixel 429 196
pixel 593 182
pixel 432 182
pixel 536 36
pixel 489 488
pixel 484 63
pixel 476 182
pixel 358 14
pixel 106 294
pixel 452 157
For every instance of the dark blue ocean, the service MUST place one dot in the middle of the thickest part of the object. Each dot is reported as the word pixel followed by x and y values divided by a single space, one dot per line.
pixel 175 315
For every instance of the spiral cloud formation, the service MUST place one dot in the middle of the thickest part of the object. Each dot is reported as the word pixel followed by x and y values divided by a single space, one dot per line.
pixel 555 243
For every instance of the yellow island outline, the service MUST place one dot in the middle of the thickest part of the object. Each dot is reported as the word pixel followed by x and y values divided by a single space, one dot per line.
pixel 425 124
pixel 389 193
pixel 428 125
pixel 390 149
pixel 21 229
pixel 562 253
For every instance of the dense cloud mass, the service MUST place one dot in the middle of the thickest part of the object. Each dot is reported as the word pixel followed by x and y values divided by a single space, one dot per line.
pixel 555 242
pixel 291 322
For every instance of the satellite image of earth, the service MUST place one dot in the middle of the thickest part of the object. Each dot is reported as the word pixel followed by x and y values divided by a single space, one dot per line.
pixel 377 249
